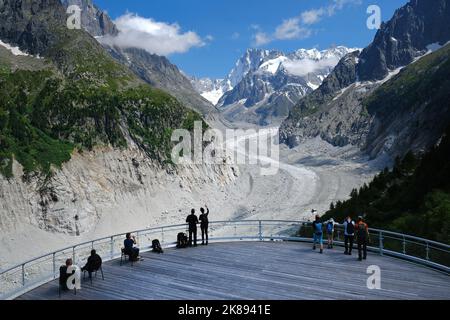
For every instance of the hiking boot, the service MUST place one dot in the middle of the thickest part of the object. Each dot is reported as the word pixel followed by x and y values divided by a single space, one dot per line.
pixel 314 247
pixel 321 251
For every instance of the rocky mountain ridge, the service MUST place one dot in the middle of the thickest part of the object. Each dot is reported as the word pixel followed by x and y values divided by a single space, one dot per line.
pixel 338 110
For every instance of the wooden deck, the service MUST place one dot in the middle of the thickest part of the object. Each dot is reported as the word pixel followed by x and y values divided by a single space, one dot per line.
pixel 255 270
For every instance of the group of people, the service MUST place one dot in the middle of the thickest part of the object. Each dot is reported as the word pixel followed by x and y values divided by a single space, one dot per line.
pixel 358 231
pixel 93 263
pixel 352 231
pixel 192 221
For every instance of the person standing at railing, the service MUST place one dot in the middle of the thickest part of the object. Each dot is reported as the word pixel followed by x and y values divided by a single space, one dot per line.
pixel 204 222
pixel 349 235
pixel 362 238
pixel 192 221
pixel 318 233
pixel 330 232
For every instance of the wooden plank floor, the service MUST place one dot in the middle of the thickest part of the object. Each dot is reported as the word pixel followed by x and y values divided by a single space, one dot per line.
pixel 255 270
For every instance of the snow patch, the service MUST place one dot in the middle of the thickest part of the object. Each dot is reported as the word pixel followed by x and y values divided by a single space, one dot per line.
pixel 273 65
pixel 213 96
pixel 14 50
pixel 312 85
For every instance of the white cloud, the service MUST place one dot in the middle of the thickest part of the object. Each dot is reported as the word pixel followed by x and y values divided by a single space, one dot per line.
pixel 261 39
pixel 235 36
pixel 311 16
pixel 303 67
pixel 155 37
pixel 298 27
pixel 291 29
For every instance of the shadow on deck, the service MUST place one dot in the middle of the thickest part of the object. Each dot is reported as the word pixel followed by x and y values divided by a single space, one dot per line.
pixel 255 271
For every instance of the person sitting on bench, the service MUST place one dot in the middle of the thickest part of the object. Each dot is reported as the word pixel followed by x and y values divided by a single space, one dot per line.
pixel 130 250
pixel 63 275
pixel 94 262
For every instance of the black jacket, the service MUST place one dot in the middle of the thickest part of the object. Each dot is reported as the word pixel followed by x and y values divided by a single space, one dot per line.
pixel 204 219
pixel 63 276
pixel 192 220
pixel 93 263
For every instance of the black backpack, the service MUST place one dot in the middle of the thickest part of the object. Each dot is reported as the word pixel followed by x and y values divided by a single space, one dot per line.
pixel 156 245
pixel 182 240
pixel 350 228
pixel 362 232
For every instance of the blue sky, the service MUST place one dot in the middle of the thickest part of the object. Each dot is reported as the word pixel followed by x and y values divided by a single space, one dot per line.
pixel 210 35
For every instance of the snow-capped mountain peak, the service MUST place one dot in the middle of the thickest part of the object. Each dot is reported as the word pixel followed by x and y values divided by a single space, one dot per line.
pixel 289 75
pixel 249 62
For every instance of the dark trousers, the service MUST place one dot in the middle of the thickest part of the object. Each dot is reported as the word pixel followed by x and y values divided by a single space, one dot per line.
pixel 192 232
pixel 362 249
pixel 133 253
pixel 204 233
pixel 349 243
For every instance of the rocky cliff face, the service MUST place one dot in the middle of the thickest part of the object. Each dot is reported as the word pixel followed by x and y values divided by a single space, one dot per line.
pixel 406 36
pixel 93 20
pixel 333 111
pixel 159 72
pixel 82 139
pixel 103 185
pixel 21 24
pixel 343 110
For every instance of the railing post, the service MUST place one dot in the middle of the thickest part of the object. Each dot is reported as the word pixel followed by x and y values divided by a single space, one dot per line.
pixel 112 248
pixel 54 266
pixel 73 254
pixel 23 275
pixel 260 231
pixel 381 243
pixel 92 245
pixel 162 235
pixel 404 245
pixel 428 251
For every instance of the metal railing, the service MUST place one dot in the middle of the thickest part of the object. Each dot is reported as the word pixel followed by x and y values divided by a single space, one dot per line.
pixel 30 274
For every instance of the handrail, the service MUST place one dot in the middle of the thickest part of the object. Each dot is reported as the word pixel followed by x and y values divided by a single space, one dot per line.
pixel 385 232
pixel 259 235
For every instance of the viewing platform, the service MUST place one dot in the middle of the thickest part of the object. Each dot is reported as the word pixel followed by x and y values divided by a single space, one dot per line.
pixel 261 267
pixel 255 271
